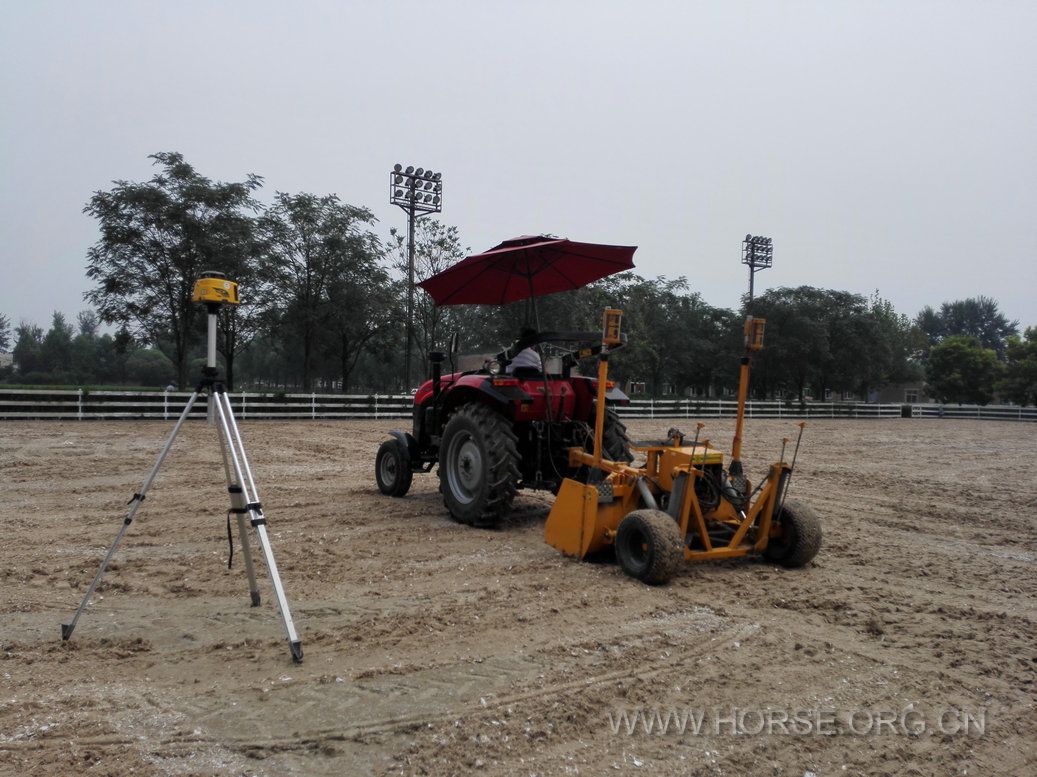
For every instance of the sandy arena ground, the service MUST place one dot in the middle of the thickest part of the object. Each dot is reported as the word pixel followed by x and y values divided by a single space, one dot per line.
pixel 433 648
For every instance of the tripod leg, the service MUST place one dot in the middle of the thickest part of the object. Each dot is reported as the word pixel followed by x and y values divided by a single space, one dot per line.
pixel 243 475
pixel 135 502
pixel 237 507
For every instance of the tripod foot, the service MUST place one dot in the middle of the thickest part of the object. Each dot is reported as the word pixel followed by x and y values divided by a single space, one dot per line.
pixel 296 647
pixel 66 631
pixel 255 598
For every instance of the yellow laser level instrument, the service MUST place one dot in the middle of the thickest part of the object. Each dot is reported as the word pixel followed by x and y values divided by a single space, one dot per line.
pixel 213 288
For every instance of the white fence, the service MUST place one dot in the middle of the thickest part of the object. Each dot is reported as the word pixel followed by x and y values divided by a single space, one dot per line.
pixel 98 405
pixel 723 408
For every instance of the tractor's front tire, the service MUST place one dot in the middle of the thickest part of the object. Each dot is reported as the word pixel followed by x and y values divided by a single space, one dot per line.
pixel 649 547
pixel 391 469
pixel 800 538
pixel 478 466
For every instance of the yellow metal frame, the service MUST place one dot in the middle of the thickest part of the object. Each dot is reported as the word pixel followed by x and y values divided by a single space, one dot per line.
pixel 585 517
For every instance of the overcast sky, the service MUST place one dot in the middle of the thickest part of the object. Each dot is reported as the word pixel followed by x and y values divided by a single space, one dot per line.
pixel 888 146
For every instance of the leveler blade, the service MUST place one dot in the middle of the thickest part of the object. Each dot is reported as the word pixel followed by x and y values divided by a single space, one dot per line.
pixel 572 525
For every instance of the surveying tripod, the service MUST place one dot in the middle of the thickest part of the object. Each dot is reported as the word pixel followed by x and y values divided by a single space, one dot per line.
pixel 214 290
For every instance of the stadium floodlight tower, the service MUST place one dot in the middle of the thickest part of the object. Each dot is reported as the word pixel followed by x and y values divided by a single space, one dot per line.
pixel 418 192
pixel 758 253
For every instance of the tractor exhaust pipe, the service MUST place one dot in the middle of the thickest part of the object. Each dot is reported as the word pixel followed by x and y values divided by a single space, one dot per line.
pixel 436 359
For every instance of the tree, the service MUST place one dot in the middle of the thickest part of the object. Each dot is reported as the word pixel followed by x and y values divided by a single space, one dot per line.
pixel 361 307
pixel 87 323
pixel 156 239
pixel 150 367
pixel 436 247
pixel 309 241
pixel 1019 383
pixel 28 347
pixel 5 332
pixel 903 341
pixel 798 352
pixel 978 317
pixel 961 370
pixel 56 349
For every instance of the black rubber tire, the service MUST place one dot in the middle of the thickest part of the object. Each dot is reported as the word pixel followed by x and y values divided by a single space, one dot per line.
pixel 649 547
pixel 801 536
pixel 391 469
pixel 478 466
pixel 615 443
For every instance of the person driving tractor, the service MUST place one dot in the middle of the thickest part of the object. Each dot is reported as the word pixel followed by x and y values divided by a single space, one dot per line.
pixel 527 357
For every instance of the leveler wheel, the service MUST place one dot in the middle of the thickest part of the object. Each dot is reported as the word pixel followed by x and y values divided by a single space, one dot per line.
pixel 391 469
pixel 649 547
pixel 800 538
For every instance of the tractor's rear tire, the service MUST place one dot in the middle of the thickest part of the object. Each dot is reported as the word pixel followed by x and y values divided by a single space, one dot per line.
pixel 392 470
pixel 615 443
pixel 649 547
pixel 800 538
pixel 478 466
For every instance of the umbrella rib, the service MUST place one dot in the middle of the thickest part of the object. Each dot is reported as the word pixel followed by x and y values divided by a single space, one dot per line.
pixel 458 290
pixel 595 258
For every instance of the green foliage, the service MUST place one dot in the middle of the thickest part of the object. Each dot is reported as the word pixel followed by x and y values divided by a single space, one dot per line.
pixel 5 332
pixel 436 247
pixel 56 349
pixel 156 239
pixel 150 367
pixel 1019 384
pixel 822 339
pixel 316 247
pixel 28 348
pixel 961 370
pixel 978 317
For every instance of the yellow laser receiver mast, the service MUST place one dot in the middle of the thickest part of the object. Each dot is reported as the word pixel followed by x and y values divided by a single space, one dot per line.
pixel 610 335
pixel 213 288
pixel 753 332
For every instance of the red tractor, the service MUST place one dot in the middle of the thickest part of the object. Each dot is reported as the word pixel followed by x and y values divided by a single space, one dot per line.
pixel 503 427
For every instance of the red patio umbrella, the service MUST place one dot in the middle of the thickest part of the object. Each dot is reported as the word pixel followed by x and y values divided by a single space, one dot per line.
pixel 524 267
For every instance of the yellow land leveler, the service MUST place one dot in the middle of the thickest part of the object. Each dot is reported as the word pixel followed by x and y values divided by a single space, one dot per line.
pixel 681 504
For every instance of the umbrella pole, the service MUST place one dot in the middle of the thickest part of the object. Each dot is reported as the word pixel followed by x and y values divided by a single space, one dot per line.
pixel 533 302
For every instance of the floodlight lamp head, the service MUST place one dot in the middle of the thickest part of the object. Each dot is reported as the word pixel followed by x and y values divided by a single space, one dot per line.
pixel 213 289
pixel 409 170
pixel 397 167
